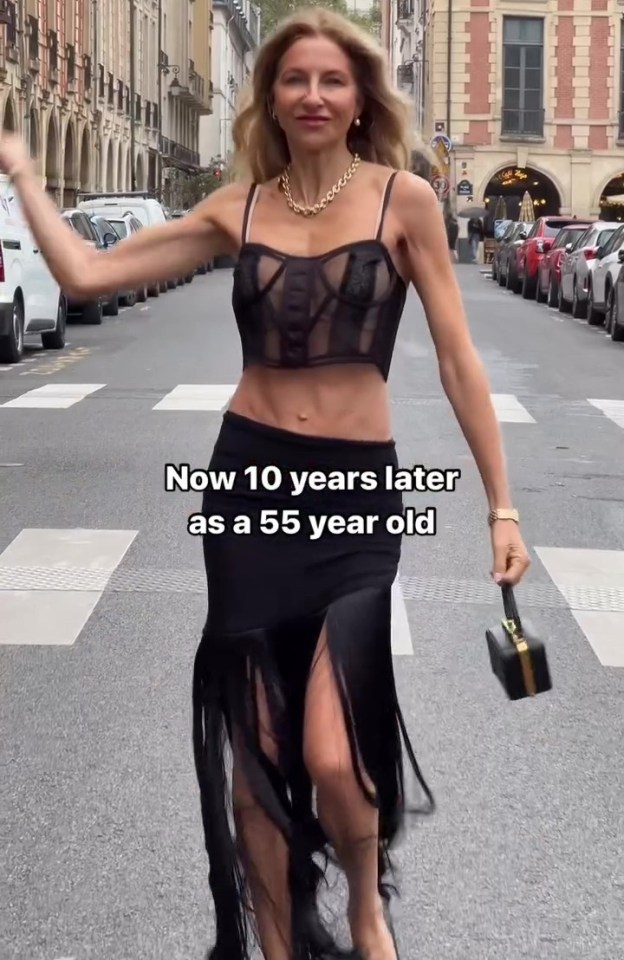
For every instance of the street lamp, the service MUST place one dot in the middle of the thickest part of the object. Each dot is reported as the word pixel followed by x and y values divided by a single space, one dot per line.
pixel 174 86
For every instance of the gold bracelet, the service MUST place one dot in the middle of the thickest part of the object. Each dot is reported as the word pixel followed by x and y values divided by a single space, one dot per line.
pixel 503 514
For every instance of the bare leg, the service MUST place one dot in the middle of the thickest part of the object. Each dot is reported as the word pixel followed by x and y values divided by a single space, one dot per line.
pixel 345 813
pixel 263 851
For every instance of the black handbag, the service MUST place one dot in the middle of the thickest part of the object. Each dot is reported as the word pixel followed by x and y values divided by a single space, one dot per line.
pixel 517 655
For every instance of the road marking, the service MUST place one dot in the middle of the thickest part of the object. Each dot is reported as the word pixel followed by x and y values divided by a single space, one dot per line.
pixel 54 395
pixel 197 396
pixel 508 409
pixel 603 570
pixel 37 616
pixel 613 409
pixel 400 629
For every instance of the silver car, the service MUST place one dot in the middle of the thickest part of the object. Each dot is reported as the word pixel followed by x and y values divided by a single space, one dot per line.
pixel 578 263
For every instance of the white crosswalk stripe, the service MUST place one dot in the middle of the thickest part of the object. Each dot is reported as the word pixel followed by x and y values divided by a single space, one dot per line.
pixel 75 566
pixel 613 409
pixel 214 397
pixel 197 396
pixel 52 580
pixel 57 617
pixel 508 409
pixel 401 634
pixel 58 396
pixel 573 570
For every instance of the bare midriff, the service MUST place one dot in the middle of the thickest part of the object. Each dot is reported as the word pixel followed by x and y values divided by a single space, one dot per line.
pixel 348 401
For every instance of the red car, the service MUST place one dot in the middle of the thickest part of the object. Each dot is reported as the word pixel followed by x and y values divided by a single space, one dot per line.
pixel 549 269
pixel 538 242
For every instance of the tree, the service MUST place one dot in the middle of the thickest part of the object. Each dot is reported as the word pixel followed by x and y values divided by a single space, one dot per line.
pixel 273 11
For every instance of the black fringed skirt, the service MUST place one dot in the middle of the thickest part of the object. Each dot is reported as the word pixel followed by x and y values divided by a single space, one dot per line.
pixel 277 574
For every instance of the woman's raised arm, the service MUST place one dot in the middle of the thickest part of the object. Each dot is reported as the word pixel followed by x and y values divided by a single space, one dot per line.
pixel 154 254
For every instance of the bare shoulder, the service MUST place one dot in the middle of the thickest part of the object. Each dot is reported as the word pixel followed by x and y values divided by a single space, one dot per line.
pixel 222 211
pixel 222 200
pixel 413 195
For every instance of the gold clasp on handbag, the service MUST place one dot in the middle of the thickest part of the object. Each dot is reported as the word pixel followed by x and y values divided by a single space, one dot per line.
pixel 525 657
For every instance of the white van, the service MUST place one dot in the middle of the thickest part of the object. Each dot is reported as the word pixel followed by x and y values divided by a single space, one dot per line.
pixel 31 301
pixel 140 204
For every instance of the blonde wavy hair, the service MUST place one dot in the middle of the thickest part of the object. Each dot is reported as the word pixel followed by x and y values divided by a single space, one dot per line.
pixel 384 135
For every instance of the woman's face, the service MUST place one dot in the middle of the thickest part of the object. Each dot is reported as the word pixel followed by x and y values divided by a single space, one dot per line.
pixel 315 97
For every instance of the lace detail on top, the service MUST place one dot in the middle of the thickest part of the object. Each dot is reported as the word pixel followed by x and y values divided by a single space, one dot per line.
pixel 341 307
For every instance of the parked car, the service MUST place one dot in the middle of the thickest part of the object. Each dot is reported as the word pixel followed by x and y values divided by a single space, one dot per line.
pixel 548 275
pixel 91 311
pixel 502 240
pixel 31 301
pixel 141 204
pixel 110 239
pixel 538 242
pixel 614 320
pixel 506 267
pixel 125 227
pixel 203 267
pixel 577 265
pixel 604 276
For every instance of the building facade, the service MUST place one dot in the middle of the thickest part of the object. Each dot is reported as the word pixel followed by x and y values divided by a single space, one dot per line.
pixel 108 93
pixel 530 99
pixel 236 36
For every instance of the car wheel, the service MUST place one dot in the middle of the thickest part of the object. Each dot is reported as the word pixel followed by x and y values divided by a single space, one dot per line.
pixel 616 328
pixel 540 296
pixel 92 313
pixel 594 318
pixel 112 307
pixel 12 345
pixel 552 298
pixel 562 304
pixel 579 307
pixel 55 339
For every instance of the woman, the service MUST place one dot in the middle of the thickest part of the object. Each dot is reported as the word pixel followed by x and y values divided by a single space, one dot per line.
pixel 452 229
pixel 294 669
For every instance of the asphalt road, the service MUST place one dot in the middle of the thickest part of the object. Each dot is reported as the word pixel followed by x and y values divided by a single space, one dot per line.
pixel 102 600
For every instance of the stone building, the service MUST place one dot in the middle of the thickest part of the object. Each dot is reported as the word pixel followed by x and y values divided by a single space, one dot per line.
pixel 236 37
pixel 530 97
pixel 47 86
pixel 96 117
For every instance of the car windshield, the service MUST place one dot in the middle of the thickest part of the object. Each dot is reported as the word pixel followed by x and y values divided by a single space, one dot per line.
pixel 120 227
pixel 604 236
pixel 565 236
pixel 551 228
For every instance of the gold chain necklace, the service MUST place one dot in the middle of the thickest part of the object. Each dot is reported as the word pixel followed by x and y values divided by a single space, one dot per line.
pixel 305 211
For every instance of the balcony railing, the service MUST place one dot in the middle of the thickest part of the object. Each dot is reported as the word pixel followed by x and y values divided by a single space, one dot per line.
pixel 405 9
pixel 171 150
pixel 522 123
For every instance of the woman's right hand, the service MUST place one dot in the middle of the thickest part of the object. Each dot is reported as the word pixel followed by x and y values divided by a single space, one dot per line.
pixel 13 154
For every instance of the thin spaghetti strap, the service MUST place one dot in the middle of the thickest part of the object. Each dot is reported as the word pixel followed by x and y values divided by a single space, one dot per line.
pixel 249 205
pixel 383 206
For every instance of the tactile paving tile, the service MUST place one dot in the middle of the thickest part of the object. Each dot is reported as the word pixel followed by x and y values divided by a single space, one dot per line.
pixel 422 589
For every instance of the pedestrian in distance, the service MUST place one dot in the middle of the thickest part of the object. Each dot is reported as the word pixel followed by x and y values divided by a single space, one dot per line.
pixel 293 680
pixel 476 234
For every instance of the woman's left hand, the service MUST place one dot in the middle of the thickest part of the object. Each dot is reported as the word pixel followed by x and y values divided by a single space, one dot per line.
pixel 511 559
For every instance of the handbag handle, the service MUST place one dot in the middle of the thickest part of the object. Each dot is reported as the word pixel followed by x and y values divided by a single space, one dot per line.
pixel 510 607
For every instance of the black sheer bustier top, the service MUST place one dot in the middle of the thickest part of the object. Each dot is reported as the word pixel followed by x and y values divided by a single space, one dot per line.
pixel 343 306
